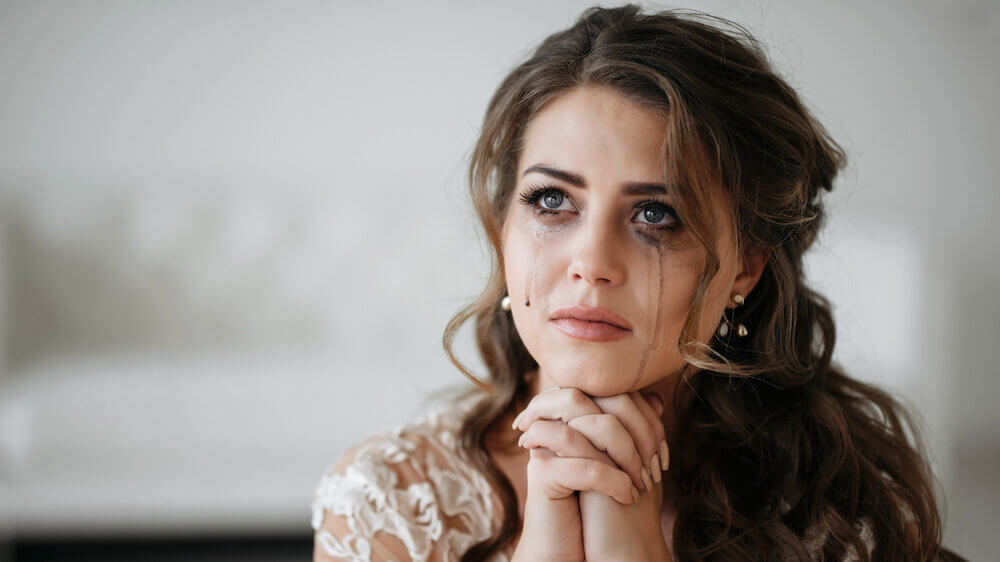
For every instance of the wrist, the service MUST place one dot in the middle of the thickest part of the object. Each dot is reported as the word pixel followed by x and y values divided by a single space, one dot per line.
pixel 659 553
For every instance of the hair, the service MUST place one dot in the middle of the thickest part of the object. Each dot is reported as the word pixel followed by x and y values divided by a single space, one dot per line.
pixel 773 412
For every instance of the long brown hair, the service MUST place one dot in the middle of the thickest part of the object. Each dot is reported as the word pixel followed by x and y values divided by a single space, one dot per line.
pixel 772 413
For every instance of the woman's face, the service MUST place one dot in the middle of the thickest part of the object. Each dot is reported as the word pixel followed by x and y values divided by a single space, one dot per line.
pixel 585 240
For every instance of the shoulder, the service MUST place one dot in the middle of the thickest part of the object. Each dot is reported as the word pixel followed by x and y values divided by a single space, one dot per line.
pixel 403 494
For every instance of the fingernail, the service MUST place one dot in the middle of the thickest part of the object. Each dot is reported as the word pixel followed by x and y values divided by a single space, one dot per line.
pixel 654 467
pixel 635 494
pixel 664 456
pixel 647 481
pixel 520 440
pixel 517 419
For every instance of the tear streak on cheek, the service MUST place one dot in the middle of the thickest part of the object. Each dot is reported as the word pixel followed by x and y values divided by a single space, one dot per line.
pixel 656 295
pixel 531 273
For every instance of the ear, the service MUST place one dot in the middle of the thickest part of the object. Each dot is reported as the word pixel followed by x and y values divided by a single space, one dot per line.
pixel 752 265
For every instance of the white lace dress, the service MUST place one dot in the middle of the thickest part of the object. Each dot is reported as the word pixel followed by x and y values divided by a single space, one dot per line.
pixel 407 495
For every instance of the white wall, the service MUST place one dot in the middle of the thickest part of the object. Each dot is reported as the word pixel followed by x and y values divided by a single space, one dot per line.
pixel 372 108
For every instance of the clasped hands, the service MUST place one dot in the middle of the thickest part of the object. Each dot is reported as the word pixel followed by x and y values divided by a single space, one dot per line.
pixel 610 449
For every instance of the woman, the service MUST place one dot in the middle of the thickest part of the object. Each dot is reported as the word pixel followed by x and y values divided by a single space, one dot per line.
pixel 660 376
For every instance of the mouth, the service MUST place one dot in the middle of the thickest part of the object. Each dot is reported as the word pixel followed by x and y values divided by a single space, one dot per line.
pixel 591 323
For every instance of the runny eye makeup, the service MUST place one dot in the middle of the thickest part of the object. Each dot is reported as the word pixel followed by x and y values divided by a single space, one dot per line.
pixel 545 200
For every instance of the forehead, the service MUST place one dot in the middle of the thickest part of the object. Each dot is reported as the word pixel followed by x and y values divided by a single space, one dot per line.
pixel 599 134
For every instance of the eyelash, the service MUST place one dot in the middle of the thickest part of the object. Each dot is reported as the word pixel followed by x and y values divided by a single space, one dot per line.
pixel 532 196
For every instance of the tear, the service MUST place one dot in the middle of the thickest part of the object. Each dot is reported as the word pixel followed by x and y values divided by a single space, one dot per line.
pixel 534 266
pixel 654 339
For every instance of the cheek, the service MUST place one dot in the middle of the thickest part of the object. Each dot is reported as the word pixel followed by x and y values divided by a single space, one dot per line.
pixel 675 303
pixel 519 265
pixel 520 260
pixel 530 270
pixel 679 290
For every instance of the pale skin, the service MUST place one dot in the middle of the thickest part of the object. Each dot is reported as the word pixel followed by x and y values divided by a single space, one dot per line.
pixel 590 426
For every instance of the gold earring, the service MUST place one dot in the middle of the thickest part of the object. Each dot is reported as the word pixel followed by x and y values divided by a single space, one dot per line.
pixel 505 302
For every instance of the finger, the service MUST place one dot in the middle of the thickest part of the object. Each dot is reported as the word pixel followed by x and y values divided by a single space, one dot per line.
pixel 538 475
pixel 560 477
pixel 649 412
pixel 644 405
pixel 623 407
pixel 606 433
pixel 657 422
pixel 541 453
pixel 613 446
pixel 563 440
pixel 556 404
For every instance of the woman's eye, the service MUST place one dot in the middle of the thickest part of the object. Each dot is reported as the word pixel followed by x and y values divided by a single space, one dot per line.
pixel 552 199
pixel 653 213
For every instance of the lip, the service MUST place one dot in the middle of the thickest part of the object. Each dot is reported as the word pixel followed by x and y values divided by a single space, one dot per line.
pixel 591 323
pixel 590 331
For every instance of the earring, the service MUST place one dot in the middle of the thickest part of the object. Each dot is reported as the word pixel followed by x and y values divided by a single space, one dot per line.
pixel 741 330
pixel 505 302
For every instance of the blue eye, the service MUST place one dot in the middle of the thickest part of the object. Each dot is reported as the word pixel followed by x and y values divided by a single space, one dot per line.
pixel 546 200
pixel 552 199
pixel 654 212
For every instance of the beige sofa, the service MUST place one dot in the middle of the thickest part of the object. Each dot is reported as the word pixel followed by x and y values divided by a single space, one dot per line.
pixel 187 362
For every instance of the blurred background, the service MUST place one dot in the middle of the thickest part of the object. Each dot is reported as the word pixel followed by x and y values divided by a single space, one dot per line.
pixel 231 234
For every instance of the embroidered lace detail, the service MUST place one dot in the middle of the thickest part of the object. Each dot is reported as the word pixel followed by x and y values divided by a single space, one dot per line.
pixel 816 537
pixel 405 495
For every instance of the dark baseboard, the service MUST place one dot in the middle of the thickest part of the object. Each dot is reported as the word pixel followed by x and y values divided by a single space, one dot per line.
pixel 159 549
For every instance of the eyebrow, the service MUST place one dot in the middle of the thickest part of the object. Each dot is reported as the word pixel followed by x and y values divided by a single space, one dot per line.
pixel 629 188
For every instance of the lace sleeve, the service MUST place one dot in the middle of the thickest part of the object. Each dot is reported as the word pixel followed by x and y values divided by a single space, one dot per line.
pixel 816 538
pixel 368 507
pixel 398 496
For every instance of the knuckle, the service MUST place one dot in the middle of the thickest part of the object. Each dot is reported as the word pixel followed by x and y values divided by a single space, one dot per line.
pixel 605 422
pixel 624 482
pixel 566 434
pixel 532 429
pixel 532 404
pixel 578 439
pixel 576 397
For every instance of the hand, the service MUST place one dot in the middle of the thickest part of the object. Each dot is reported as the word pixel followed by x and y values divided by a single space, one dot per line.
pixel 613 429
pixel 615 532
pixel 553 527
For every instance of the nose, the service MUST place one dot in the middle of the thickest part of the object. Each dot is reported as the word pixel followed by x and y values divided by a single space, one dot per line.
pixel 596 260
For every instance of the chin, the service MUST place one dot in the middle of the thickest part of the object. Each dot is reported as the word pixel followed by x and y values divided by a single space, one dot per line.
pixel 592 379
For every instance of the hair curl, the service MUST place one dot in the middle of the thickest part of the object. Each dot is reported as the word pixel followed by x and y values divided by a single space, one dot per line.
pixel 774 414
